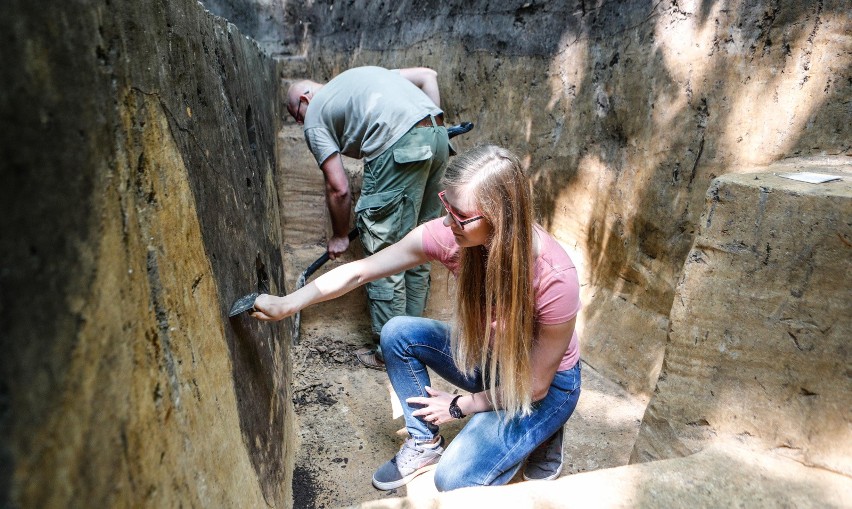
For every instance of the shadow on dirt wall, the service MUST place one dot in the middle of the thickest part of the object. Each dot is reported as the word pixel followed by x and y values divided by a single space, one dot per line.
pixel 642 246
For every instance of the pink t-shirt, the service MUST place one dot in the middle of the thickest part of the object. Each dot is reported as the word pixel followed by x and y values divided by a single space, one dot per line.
pixel 557 289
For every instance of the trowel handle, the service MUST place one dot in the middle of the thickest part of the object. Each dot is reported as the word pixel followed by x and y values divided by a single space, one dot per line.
pixel 319 262
pixel 456 130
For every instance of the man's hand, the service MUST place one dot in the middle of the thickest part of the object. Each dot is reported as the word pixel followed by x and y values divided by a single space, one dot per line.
pixel 337 246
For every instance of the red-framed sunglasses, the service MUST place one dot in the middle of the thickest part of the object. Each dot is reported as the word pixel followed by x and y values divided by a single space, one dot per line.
pixel 459 221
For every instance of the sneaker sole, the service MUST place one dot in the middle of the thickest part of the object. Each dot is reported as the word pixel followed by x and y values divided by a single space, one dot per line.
pixel 405 480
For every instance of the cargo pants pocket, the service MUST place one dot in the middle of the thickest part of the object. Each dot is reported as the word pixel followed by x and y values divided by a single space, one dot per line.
pixel 416 154
pixel 380 219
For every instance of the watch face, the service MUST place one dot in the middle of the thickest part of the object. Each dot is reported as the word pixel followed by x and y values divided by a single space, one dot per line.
pixel 455 411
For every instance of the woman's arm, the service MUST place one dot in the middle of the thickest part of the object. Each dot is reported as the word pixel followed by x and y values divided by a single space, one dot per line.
pixel 405 254
pixel 547 353
pixel 548 350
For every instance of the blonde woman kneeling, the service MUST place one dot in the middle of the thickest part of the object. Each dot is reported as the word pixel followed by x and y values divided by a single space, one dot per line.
pixel 513 347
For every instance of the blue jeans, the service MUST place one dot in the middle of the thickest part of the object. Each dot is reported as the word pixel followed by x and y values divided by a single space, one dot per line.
pixel 489 449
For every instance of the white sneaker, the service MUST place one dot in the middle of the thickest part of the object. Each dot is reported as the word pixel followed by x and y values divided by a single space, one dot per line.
pixel 411 461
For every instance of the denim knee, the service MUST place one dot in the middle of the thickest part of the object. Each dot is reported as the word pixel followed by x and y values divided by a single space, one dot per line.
pixel 393 332
pixel 447 479
pixel 444 482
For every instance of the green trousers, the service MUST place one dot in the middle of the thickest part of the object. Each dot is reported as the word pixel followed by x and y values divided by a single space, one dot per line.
pixel 399 192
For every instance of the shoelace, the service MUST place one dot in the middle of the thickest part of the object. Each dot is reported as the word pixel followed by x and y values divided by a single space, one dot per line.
pixel 408 453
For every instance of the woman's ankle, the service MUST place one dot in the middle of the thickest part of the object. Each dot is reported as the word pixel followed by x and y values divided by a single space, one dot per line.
pixel 430 443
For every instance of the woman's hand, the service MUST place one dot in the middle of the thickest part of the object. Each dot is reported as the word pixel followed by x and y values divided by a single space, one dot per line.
pixel 270 308
pixel 436 408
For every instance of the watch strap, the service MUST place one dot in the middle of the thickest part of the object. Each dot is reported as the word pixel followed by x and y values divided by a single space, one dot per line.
pixel 455 411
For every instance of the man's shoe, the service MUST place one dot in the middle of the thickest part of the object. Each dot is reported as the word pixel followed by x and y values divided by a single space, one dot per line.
pixel 411 461
pixel 370 358
pixel 545 462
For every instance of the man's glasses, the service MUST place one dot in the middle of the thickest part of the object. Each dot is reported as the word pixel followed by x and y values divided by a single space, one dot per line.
pixel 459 221
pixel 298 117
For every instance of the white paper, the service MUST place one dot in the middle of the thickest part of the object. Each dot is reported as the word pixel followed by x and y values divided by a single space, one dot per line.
pixel 811 178
pixel 396 406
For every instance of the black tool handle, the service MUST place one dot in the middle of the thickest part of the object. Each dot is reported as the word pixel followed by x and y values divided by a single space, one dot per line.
pixel 462 128
pixel 319 262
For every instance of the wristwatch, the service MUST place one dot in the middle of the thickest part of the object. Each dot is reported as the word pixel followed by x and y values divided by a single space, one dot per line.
pixel 455 411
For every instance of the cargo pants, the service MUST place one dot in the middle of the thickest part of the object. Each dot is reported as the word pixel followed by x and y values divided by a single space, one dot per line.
pixel 400 191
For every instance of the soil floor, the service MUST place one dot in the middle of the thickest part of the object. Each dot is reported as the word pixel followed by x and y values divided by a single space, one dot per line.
pixel 345 417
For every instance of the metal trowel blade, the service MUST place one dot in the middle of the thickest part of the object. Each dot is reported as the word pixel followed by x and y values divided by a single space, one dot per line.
pixel 244 303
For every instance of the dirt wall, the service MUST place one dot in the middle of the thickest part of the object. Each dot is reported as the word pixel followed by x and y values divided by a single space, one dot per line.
pixel 269 22
pixel 138 198
pixel 759 347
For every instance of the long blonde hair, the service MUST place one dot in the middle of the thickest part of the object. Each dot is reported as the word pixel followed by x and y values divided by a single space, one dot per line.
pixel 495 281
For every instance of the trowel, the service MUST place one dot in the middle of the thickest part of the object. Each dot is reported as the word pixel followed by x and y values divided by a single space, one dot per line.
pixel 243 304
pixel 246 302
pixel 456 130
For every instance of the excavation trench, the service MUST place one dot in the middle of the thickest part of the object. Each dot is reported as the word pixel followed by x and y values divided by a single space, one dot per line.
pixel 150 177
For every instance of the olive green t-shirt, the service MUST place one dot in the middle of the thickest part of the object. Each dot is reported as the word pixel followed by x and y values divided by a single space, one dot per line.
pixel 362 112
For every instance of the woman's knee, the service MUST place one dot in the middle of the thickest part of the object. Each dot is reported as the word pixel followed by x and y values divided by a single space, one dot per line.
pixel 395 331
pixel 456 472
pixel 447 479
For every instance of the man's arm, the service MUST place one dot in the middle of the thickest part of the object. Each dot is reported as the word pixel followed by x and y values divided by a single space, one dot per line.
pixel 426 80
pixel 339 203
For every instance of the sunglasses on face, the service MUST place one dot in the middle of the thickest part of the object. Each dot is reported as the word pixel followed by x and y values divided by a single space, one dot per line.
pixel 459 221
